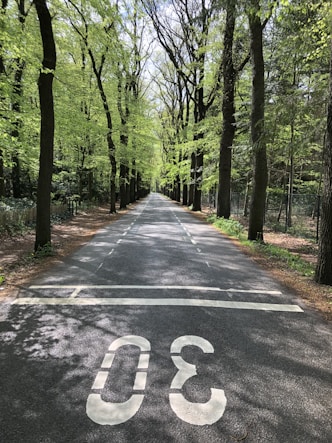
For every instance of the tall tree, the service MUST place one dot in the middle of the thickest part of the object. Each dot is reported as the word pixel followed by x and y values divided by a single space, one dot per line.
pixel 98 66
pixel 260 171
pixel 228 111
pixel 2 73
pixel 324 264
pixel 45 87
pixel 184 34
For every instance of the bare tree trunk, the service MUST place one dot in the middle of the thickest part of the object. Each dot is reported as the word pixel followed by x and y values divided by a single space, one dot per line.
pixel 260 172
pixel 228 110
pixel 324 264
pixel 45 82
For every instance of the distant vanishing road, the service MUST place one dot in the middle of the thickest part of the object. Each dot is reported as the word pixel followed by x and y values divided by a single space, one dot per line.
pixel 161 330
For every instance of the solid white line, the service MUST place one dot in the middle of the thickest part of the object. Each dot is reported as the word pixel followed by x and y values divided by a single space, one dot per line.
pixel 86 301
pixel 168 287
pixel 192 288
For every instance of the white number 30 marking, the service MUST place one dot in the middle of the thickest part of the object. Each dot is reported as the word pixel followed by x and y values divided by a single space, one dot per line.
pixel 108 413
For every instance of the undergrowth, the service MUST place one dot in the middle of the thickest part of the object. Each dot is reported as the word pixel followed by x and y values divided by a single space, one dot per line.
pixel 234 229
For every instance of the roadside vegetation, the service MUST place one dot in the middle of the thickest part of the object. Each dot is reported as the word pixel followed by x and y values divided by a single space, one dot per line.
pixel 288 263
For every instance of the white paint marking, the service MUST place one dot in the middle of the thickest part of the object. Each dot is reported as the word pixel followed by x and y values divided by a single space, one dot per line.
pixel 108 361
pixel 125 233
pixel 140 381
pixel 194 413
pixel 100 266
pixel 91 301
pixel 119 241
pixel 207 264
pixel 199 250
pixel 193 241
pixel 111 252
pixel 168 287
pixel 143 362
pixel 105 413
pixel 100 380
pixel 76 291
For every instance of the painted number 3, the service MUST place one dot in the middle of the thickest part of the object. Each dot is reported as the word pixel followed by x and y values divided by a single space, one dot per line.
pixel 108 413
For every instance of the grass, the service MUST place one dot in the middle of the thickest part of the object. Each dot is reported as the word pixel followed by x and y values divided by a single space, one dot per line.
pixel 231 227
pixel 292 261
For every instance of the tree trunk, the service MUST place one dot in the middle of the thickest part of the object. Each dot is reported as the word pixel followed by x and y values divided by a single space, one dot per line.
pixel 324 264
pixel 123 192
pixel 228 111
pixel 260 172
pixel 133 183
pixel 185 194
pixel 45 82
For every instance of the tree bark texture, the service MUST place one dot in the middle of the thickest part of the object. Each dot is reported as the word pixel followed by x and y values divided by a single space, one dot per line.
pixel 260 171
pixel 228 111
pixel 45 82
pixel 324 263
pixel 2 72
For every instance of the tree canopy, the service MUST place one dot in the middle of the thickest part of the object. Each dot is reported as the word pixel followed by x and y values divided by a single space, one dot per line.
pixel 185 97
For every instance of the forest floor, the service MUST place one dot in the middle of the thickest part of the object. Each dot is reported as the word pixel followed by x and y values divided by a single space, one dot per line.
pixel 19 265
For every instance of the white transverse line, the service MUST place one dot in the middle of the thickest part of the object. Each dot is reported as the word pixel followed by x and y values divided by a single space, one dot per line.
pixel 84 301
pixel 190 288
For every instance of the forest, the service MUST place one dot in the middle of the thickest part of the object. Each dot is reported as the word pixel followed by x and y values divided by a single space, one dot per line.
pixel 105 100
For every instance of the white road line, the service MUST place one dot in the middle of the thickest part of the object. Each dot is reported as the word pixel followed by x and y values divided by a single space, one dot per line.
pixel 193 241
pixel 119 241
pixel 86 301
pixel 111 252
pixel 79 288
pixel 168 287
pixel 191 288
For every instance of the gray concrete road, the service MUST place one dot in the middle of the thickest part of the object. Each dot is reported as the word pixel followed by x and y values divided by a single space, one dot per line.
pixel 161 330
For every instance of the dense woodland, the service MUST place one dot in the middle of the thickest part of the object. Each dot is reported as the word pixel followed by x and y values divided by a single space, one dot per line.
pixel 106 100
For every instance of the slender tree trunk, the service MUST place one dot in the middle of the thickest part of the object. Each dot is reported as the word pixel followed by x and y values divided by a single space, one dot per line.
pixel 290 192
pixel 16 106
pixel 185 194
pixel 4 4
pixel 133 183
pixel 324 264
pixel 192 178
pixel 260 172
pixel 228 111
pixel 123 192
pixel 45 82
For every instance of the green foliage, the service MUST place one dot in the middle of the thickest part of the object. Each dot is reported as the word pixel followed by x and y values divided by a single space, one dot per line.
pixel 291 260
pixel 230 226
pixel 44 251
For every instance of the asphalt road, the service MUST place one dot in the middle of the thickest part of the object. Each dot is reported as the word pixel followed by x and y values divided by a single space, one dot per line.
pixel 161 330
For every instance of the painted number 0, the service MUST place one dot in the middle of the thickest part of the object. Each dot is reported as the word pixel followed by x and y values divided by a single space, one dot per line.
pixel 108 413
